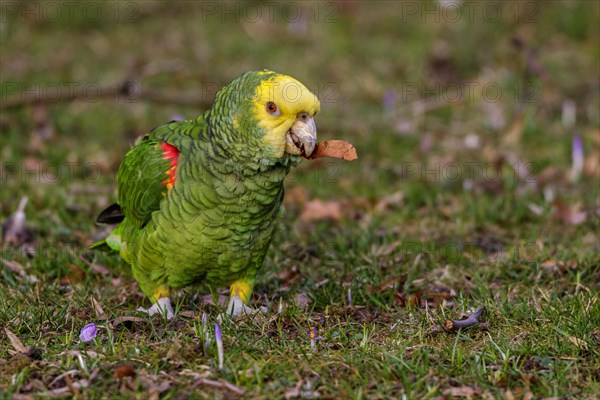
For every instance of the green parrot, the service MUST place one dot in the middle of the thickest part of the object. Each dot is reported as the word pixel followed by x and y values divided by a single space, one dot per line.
pixel 198 200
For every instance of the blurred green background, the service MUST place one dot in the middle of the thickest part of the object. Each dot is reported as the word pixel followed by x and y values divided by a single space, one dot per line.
pixel 477 129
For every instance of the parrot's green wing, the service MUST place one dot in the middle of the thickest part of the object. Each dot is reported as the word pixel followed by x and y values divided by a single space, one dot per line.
pixel 146 175
pixel 149 169
pixel 144 179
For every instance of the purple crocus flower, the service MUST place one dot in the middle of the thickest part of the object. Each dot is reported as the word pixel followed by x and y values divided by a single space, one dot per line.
pixel 577 158
pixel 389 100
pixel 88 333
pixel 219 339
pixel 312 335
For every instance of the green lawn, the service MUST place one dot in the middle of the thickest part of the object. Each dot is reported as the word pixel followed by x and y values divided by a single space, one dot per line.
pixel 465 194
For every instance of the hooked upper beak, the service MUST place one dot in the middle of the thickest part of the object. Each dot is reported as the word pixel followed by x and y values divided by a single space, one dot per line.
pixel 302 137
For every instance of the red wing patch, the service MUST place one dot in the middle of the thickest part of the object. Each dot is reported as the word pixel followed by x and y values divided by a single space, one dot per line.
pixel 170 153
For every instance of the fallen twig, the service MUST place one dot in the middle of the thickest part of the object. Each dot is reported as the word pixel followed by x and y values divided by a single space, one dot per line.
pixel 128 91
pixel 456 324
pixel 220 385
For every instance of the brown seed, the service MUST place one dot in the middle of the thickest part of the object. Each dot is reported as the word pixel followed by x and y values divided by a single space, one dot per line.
pixel 123 371
pixel 334 149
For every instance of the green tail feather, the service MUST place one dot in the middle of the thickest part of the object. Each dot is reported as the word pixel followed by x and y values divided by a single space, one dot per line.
pixel 100 245
pixel 110 243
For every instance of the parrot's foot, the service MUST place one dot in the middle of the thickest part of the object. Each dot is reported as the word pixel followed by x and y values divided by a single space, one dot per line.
pixel 236 307
pixel 162 306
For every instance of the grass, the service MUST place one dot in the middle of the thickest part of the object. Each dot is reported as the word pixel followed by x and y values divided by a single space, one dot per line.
pixel 454 203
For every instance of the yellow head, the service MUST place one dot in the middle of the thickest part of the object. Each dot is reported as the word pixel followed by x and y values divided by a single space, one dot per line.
pixel 265 115
pixel 284 108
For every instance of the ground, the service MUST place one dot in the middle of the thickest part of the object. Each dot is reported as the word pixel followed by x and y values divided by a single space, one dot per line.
pixel 477 130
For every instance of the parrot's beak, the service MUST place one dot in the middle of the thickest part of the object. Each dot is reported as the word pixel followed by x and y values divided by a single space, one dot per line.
pixel 302 137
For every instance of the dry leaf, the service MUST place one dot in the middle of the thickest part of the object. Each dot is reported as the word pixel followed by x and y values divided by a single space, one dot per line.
pixel 399 299
pixel 76 275
pixel 15 231
pixel 208 299
pixel 302 301
pixel 187 314
pixel 334 149
pixel 569 214
pixel 295 392
pixel 70 388
pixel 461 391
pixel 390 201
pixel 389 283
pixel 16 342
pixel 18 269
pixel 296 195
pixel 97 307
pixel 15 267
pixel 390 248
pixel 316 210
pixel 120 320
pixel 513 135
pixel 549 265
pixel 414 300
pixel 592 164
pixel 99 269
pixel 528 396
pixel 578 342
pixel 288 276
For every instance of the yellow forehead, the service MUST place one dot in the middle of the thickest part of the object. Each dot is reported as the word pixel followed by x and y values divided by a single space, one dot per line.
pixel 290 96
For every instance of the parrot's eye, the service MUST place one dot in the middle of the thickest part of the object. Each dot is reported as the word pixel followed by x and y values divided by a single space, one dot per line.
pixel 272 108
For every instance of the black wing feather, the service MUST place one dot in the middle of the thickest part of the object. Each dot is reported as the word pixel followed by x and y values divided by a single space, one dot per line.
pixel 111 215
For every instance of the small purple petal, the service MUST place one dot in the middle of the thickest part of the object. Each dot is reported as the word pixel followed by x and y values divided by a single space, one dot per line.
pixel 577 147
pixel 177 117
pixel 389 100
pixel 312 335
pixel 218 336
pixel 220 352
pixel 88 333
pixel 578 160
